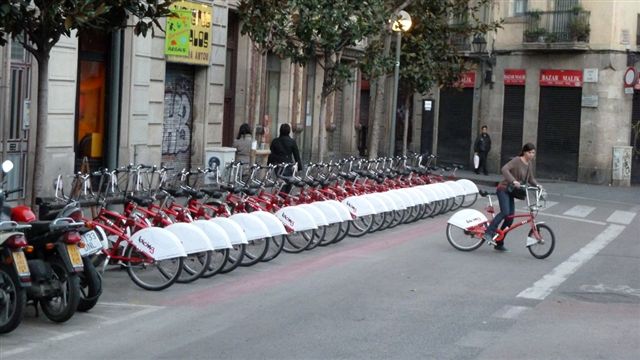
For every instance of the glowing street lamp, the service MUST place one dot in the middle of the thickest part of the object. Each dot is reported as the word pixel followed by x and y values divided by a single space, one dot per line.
pixel 401 24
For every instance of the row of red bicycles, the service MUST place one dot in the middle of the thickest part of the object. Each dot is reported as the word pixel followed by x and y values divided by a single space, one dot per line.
pixel 164 226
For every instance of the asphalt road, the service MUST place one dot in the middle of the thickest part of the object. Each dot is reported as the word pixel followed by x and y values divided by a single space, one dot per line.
pixel 403 293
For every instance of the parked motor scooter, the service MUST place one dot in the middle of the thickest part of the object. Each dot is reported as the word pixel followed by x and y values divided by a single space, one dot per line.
pixel 54 263
pixel 94 241
pixel 15 277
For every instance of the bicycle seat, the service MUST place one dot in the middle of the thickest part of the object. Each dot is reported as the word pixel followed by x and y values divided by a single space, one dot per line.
pixel 142 201
pixel 175 192
pixel 212 193
pixel 249 191
pixel 312 183
pixel 483 193
pixel 194 193
pixel 214 203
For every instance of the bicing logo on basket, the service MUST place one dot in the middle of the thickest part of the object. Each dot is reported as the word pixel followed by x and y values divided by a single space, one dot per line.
pixel 147 245
pixel 290 220
pixel 469 221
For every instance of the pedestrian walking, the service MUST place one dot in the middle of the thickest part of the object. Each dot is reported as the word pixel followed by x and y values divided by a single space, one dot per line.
pixel 243 149
pixel 516 172
pixel 284 149
pixel 482 148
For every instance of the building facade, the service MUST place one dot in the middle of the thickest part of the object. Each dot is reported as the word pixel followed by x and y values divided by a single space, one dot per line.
pixel 554 75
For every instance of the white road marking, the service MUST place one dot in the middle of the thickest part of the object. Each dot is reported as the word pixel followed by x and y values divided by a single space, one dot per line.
pixel 65 336
pixel 510 312
pixel 581 211
pixel 479 339
pixel 14 351
pixel 543 287
pixel 130 305
pixel 574 219
pixel 621 217
pixel 134 315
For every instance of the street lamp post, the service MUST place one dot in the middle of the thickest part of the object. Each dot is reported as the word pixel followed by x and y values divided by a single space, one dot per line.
pixel 402 24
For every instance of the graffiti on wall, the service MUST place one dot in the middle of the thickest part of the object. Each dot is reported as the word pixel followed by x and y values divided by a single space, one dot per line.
pixel 176 133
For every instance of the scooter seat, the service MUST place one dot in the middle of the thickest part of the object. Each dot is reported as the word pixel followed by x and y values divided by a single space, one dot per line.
pixel 38 228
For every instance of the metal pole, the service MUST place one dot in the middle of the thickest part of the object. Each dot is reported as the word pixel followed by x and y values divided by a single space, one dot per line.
pixel 394 104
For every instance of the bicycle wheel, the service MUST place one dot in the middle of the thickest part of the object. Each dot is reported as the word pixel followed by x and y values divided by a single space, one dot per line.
pixel 344 231
pixel 276 243
pixel 318 236
pixel 255 251
pixel 360 225
pixel 90 286
pixel 457 202
pixel 544 246
pixel 470 199
pixel 397 218
pixel 218 259
pixel 378 220
pixel 298 241
pixel 332 231
pixel 63 305
pixel 462 239
pixel 13 299
pixel 149 274
pixel 234 259
pixel 194 266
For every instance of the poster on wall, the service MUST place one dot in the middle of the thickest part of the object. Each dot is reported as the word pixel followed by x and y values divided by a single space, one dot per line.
pixel 178 33
pixel 198 47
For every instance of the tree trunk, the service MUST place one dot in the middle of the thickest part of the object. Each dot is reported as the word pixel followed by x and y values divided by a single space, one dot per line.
pixel 405 135
pixel 39 180
pixel 322 146
pixel 376 118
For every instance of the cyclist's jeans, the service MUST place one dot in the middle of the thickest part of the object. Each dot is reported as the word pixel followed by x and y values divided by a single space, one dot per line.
pixel 507 207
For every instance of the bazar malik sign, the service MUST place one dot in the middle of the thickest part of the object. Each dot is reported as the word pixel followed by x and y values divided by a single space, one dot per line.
pixel 188 33
pixel 561 78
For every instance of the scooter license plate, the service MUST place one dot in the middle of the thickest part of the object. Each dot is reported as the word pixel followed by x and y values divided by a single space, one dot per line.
pixel 74 256
pixel 92 243
pixel 21 263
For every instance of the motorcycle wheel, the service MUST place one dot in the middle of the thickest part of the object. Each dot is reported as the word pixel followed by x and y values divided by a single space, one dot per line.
pixel 62 307
pixel 12 300
pixel 90 286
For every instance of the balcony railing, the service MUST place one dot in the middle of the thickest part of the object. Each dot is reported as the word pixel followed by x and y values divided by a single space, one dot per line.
pixel 460 42
pixel 556 26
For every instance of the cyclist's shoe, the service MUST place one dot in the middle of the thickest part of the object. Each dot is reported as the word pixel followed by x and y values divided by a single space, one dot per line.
pixel 488 237
pixel 500 247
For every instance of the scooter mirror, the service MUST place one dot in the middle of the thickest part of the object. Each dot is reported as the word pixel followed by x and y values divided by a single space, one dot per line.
pixel 7 166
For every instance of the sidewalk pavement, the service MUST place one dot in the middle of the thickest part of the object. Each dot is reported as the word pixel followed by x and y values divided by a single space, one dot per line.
pixel 627 195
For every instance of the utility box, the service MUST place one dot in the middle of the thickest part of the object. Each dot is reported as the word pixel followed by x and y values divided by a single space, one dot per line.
pixel 621 168
pixel 218 157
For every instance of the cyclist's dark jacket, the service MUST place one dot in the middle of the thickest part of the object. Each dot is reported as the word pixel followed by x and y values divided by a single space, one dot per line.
pixel 282 148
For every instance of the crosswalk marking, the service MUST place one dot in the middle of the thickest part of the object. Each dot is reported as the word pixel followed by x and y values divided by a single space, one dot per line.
pixel 581 211
pixel 621 217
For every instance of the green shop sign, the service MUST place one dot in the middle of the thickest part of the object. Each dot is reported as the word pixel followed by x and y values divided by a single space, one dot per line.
pixel 177 33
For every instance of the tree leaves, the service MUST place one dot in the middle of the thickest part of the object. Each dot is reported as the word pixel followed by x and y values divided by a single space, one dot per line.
pixel 45 21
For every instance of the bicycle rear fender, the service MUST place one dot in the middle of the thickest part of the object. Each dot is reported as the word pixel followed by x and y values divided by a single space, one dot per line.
pixel 359 205
pixel 456 188
pixel 193 239
pixel 273 224
pixel 416 195
pixel 233 230
pixel 441 194
pixel 253 227
pixel 397 200
pixel 217 236
pixel 331 211
pixel 158 243
pixel 469 186
pixel 296 218
pixel 427 192
pixel 405 199
pixel 317 213
pixel 410 196
pixel 340 208
pixel 467 218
